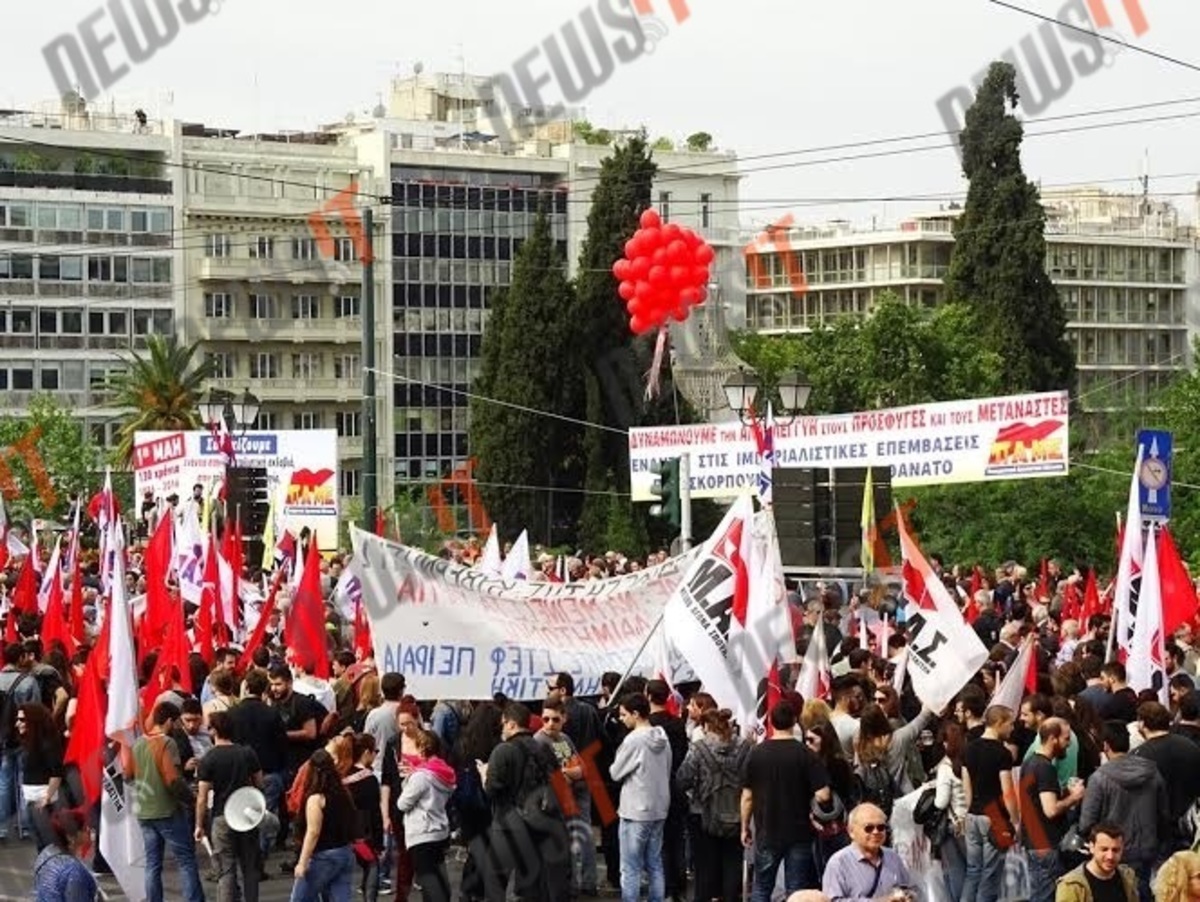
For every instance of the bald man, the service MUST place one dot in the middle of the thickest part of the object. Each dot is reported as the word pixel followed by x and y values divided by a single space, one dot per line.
pixel 865 870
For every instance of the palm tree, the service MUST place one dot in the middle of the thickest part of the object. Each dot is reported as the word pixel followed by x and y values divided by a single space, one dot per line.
pixel 159 392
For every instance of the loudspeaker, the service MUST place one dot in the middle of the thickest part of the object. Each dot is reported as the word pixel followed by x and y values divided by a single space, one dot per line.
pixel 247 496
pixel 819 514
pixel 245 809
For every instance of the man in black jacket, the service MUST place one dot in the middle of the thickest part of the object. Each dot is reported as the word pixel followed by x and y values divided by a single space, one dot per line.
pixel 674 851
pixel 528 835
pixel 260 727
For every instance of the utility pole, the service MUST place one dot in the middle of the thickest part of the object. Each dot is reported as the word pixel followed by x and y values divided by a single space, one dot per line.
pixel 370 462
pixel 685 501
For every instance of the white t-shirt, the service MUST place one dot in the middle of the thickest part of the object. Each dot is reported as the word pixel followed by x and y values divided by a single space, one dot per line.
pixel 318 689
pixel 847 730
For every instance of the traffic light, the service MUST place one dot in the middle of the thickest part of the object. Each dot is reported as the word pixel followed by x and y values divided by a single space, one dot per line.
pixel 666 490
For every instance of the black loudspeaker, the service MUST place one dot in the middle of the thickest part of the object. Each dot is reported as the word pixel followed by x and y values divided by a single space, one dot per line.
pixel 819 514
pixel 247 496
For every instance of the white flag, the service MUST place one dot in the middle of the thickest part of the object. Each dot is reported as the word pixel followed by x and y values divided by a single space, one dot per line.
pixel 1145 666
pixel 490 561
pixel 53 571
pixel 1011 691
pixel 1129 569
pixel 517 565
pixel 120 835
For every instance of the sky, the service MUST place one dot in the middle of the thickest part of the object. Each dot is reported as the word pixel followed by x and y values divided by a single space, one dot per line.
pixel 784 78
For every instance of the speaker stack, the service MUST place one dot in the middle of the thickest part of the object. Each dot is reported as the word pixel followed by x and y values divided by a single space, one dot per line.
pixel 819 514
pixel 247 496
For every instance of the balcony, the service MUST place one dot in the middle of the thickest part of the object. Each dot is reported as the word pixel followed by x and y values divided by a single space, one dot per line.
pixel 294 272
pixel 298 391
pixel 342 330
pixel 74 181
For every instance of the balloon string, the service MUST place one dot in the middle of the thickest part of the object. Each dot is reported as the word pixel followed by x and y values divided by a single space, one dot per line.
pixel 655 374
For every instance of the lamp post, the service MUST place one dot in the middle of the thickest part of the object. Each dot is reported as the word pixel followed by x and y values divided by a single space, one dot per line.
pixel 742 389
pixel 225 411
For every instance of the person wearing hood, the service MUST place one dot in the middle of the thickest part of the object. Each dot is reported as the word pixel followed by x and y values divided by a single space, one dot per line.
pixel 712 772
pixel 642 765
pixel 1130 791
pixel 426 824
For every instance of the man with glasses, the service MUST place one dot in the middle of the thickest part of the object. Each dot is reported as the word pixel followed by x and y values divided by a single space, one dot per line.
pixel 865 869
pixel 583 844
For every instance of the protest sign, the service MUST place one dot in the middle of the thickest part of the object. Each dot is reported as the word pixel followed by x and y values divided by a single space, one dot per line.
pixel 455 632
pixel 982 440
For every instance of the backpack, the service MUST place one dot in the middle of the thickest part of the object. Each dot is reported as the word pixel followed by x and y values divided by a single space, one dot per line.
pixel 8 713
pixel 720 791
pixel 874 784
pixel 1188 827
pixel 536 801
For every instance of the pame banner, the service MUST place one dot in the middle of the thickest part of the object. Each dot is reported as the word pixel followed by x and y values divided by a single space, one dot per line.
pixel 984 440
pixel 457 633
pixel 301 465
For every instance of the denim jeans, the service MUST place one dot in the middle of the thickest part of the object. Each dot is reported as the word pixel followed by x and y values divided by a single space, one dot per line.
pixel 954 866
pixel 985 862
pixel 799 869
pixel 1045 867
pixel 642 852
pixel 583 848
pixel 272 789
pixel 10 792
pixel 172 832
pixel 329 874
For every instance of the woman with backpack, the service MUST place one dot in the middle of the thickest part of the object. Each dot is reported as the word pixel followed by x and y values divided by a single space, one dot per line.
pixel 822 740
pixel 712 772
pixel 951 796
pixel 881 766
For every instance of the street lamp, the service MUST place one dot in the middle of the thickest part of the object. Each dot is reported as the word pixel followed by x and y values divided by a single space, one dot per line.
pixel 223 407
pixel 744 386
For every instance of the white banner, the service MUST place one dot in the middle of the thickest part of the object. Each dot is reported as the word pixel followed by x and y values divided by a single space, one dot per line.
pixel 301 465
pixel 981 440
pixel 455 632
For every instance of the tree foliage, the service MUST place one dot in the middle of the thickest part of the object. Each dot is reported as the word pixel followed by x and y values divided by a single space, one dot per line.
pixel 528 368
pixel 999 260
pixel 51 438
pixel 158 391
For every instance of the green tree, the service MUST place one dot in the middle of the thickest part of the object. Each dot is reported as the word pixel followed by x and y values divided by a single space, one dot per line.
pixel 48 439
pixel 699 142
pixel 529 368
pixel 159 391
pixel 999 260
pixel 664 144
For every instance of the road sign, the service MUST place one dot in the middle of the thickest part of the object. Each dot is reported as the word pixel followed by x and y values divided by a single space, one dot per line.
pixel 1154 478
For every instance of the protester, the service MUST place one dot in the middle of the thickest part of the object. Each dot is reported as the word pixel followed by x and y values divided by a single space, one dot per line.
pixel 59 874
pixel 224 770
pixel 1102 878
pixel 1178 879
pixel 866 869
pixel 643 767
pixel 329 823
pixel 423 801
pixel 42 768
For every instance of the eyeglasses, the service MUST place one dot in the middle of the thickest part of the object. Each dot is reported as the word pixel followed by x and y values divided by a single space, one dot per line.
pixel 20 718
pixel 875 828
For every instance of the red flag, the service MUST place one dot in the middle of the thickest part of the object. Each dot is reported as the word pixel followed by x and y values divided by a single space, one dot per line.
pixel 210 601
pixel 1043 586
pixel 25 592
pixel 157 564
pixel 305 629
pixel 54 622
pixel 1070 609
pixel 85 748
pixel 380 525
pixel 260 630
pixel 233 555
pixel 1031 672
pixel 362 633
pixel 1091 599
pixel 11 636
pixel 1178 591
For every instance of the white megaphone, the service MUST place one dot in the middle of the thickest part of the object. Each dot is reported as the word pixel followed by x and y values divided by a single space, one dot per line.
pixel 245 809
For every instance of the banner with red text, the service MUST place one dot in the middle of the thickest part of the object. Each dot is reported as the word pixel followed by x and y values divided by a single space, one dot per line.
pixel 983 440
pixel 301 465
pixel 455 632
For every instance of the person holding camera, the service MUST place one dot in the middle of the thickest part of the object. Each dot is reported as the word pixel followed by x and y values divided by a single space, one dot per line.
pixel 865 869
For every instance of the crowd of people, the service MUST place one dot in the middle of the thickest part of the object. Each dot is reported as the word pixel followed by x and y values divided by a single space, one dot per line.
pixel 1086 792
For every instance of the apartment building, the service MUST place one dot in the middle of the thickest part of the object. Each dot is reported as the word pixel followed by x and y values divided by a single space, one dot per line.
pixel 1121 264
pixel 89 259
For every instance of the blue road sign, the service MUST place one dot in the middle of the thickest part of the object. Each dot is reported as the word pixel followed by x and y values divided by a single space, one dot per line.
pixel 1154 479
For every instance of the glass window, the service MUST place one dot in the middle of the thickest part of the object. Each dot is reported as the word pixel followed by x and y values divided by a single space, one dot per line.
pixel 139 221
pixel 22 379
pixel 160 221
pixel 142 270
pixel 71 269
pixel 19 216
pixel 47 216
pixel 72 322
pixel 114 220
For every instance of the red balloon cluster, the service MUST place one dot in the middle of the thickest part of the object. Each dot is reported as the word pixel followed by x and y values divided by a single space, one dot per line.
pixel 664 273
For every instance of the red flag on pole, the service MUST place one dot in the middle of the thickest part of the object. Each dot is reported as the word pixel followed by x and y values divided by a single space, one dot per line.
pixel 305 629
pixel 54 622
pixel 1043 586
pixel 1178 591
pixel 260 630
pixel 85 748
pixel 210 601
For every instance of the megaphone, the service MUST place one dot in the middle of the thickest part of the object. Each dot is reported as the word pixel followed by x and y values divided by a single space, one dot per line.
pixel 245 809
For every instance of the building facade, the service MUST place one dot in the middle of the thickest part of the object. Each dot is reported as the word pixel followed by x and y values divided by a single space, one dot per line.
pixel 1122 267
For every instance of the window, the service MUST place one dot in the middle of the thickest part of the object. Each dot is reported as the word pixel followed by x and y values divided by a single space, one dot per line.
pixel 218 305
pixel 705 211
pixel 347 305
pixel 72 322
pixel 306 366
pixel 348 423
pixel 49 379
pixel 347 366
pixel 304 249
pixel 262 248
pixel 344 250
pixel 220 364
pixel 348 481
pixel 139 220
pixel 48 322
pixel 22 322
pixel 264 306
pixel 217 246
pixel 664 205
pixel 306 419
pixel 108 269
pixel 267 420
pixel 264 366
pixel 20 216
pixel 22 379
pixel 306 306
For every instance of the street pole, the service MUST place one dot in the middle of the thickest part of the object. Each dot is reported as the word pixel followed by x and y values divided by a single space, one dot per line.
pixel 685 501
pixel 370 463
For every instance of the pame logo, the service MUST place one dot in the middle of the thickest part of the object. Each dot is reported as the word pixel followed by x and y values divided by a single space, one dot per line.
pixel 245 445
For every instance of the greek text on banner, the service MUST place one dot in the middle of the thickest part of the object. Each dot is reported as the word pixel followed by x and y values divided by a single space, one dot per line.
pixel 982 440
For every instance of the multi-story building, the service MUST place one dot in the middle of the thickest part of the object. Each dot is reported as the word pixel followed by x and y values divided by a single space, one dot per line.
pixel 1121 265
pixel 89 252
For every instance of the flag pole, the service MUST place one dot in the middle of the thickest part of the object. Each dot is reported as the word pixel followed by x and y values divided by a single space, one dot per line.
pixel 637 656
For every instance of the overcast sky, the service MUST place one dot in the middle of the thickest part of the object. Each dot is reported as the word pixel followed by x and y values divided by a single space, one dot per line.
pixel 763 76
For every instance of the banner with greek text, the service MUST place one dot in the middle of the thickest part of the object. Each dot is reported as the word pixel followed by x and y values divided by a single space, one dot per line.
pixel 454 632
pixel 983 440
